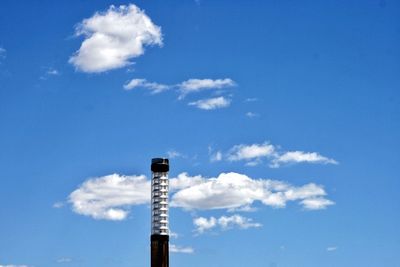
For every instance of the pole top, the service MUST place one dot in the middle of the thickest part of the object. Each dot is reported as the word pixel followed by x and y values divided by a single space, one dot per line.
pixel 159 165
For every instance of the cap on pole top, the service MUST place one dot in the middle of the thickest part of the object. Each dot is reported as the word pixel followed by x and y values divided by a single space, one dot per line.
pixel 159 165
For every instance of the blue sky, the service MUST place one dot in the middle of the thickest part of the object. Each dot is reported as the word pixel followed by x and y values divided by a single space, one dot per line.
pixel 280 119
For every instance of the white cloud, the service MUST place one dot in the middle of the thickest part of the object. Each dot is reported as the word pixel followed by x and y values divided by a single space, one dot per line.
pixel 316 203
pixel 113 38
pixel 64 260
pixel 211 103
pixel 13 265
pixel 52 71
pixel 184 181
pixel 254 154
pixel 251 114
pixel 58 205
pixel 224 222
pixel 3 53
pixel 253 99
pixel 109 197
pixel 299 157
pixel 172 154
pixel 202 224
pixel 177 249
pixel 155 88
pixel 217 156
pixel 234 190
pixel 250 152
pixel 196 85
pixel 173 234
pixel 330 249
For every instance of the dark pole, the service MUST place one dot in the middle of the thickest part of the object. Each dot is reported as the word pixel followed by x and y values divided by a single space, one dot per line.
pixel 159 213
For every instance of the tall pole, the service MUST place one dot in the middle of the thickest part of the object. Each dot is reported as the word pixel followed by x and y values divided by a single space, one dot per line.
pixel 159 213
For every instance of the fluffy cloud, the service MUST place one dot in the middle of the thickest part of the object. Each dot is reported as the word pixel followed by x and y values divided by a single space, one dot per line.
pixel 299 157
pixel 250 152
pixel 224 222
pixel 254 154
pixel 211 103
pixel 113 38
pixel 177 249
pixel 196 85
pixel 234 190
pixel 110 196
pixel 155 88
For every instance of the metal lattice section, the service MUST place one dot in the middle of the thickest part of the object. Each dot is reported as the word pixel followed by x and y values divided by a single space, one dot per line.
pixel 159 203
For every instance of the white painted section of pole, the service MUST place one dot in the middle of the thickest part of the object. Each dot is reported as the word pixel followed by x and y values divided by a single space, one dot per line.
pixel 159 203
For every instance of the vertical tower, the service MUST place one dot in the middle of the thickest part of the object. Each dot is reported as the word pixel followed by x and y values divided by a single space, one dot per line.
pixel 159 213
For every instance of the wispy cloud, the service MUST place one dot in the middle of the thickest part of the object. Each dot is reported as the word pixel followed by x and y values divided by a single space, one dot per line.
pixel 251 114
pixel 13 265
pixel 155 88
pixel 331 249
pixel 183 88
pixel 50 72
pixel 172 154
pixel 3 53
pixel 64 260
pixel 301 157
pixel 254 154
pixel 111 197
pixel 178 249
pixel 58 205
pixel 211 103
pixel 224 222
pixel 113 38
pixel 196 85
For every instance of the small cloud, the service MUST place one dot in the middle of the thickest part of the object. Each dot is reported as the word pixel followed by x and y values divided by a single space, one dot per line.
pixel 251 99
pixel 13 265
pixel 173 234
pixel 58 205
pixel 113 38
pixel 3 53
pixel 211 103
pixel 224 222
pixel 197 85
pixel 316 203
pixel 155 88
pixel 331 249
pixel 64 260
pixel 53 72
pixel 177 249
pixel 217 156
pixel 251 115
pixel 174 154
pixel 254 154
pixel 301 157
pixel 251 152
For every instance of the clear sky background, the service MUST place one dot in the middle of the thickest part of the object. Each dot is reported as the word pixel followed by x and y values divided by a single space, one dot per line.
pixel 284 115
